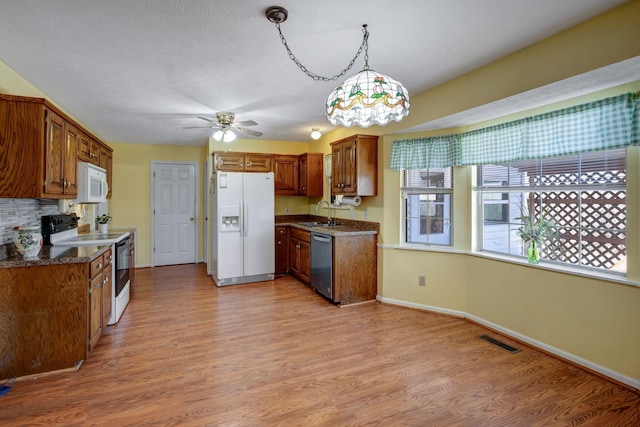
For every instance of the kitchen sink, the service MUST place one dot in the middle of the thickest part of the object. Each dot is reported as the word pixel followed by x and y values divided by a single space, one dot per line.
pixel 326 225
pixel 309 224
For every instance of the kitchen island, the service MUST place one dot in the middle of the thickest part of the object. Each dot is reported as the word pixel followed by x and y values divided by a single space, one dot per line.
pixel 45 309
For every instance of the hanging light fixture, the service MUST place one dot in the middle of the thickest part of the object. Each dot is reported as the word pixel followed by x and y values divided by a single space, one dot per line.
pixel 315 133
pixel 365 99
pixel 225 134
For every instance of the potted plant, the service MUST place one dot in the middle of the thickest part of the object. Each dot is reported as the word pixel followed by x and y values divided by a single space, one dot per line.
pixel 103 222
pixel 535 231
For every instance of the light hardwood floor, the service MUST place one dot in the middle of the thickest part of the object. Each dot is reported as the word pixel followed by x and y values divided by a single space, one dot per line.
pixel 186 353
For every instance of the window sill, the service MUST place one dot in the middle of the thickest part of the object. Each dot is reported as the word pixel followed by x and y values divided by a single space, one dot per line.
pixel 615 278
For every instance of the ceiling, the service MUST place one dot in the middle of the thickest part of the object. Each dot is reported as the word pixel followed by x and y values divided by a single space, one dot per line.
pixel 140 71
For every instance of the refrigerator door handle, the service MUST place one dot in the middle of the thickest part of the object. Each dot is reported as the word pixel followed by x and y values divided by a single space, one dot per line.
pixel 245 217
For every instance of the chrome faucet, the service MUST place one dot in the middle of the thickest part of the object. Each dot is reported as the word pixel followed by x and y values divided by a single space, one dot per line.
pixel 328 210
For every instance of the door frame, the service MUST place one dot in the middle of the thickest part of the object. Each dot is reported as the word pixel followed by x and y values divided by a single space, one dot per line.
pixel 196 199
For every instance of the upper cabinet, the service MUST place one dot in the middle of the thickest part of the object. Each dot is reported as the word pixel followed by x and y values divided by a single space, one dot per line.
pixel 294 175
pixel 310 174
pixel 285 172
pixel 354 166
pixel 40 150
pixel 242 162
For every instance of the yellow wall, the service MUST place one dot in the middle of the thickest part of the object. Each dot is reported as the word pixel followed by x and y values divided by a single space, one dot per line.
pixel 589 320
pixel 130 204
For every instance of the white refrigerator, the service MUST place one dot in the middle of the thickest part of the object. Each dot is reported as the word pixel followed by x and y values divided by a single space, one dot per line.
pixel 243 228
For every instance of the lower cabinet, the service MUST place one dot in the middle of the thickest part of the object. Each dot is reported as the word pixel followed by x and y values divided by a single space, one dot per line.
pixel 355 276
pixel 282 250
pixel 100 294
pixel 300 254
pixel 48 317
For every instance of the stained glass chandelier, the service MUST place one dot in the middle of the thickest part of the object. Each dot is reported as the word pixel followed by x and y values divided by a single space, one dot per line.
pixel 363 100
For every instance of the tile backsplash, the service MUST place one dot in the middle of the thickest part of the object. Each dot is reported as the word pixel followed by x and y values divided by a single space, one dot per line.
pixel 23 212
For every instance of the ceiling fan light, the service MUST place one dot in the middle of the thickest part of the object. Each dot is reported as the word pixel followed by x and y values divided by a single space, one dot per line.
pixel 217 135
pixel 367 98
pixel 315 133
pixel 229 136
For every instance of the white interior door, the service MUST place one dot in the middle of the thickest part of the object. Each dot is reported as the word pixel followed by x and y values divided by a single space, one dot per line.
pixel 174 213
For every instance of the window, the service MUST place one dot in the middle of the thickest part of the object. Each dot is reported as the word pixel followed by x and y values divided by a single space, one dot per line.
pixel 427 205
pixel 584 194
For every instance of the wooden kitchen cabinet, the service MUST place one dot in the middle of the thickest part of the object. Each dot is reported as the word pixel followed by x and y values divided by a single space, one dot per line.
pixel 40 149
pixel 355 277
pixel 300 254
pixel 84 148
pixel 242 162
pixel 100 295
pixel 61 145
pixel 282 249
pixel 354 166
pixel 310 174
pixel 285 171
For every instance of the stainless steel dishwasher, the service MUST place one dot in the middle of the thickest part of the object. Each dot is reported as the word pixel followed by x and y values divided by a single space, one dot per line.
pixel 322 264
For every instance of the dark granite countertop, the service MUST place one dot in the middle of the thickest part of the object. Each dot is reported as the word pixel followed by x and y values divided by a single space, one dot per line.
pixel 51 255
pixel 345 227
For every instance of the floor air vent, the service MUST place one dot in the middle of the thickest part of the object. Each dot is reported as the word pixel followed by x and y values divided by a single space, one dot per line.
pixel 500 344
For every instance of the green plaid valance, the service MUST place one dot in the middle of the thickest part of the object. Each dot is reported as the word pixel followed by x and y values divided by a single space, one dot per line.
pixel 608 123
pixel 423 153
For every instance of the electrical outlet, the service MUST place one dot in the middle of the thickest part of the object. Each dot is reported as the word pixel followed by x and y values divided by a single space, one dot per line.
pixel 366 215
pixel 286 210
pixel 351 213
pixel 422 281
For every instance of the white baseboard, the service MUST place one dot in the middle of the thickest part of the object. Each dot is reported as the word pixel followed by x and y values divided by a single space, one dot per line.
pixel 606 372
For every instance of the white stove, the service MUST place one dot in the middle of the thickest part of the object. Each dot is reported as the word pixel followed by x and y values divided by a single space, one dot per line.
pixel 62 230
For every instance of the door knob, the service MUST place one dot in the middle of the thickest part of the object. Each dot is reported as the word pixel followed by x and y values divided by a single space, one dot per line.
pixel 191 219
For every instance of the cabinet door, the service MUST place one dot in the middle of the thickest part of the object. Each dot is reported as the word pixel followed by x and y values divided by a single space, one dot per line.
pixel 257 163
pixel 302 175
pixel 311 174
pixel 107 293
pixel 282 250
pixel 229 162
pixel 337 168
pixel 102 152
pixel 94 153
pixel 294 256
pixel 54 152
pixel 70 161
pixel 285 171
pixel 84 148
pixel 305 262
pixel 350 168
pixel 95 311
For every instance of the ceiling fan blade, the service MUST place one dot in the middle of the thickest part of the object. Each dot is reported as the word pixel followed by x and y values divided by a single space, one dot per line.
pixel 247 131
pixel 209 120
pixel 246 123
pixel 200 127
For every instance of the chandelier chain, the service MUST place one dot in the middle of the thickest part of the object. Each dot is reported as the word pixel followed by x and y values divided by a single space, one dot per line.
pixel 364 46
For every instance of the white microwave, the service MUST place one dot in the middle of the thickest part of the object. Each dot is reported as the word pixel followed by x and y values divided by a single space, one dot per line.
pixel 92 184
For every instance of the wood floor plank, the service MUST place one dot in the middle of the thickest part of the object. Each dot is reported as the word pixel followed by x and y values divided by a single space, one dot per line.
pixel 186 353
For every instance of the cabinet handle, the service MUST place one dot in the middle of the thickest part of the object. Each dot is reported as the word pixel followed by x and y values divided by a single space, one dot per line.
pixel 100 265
pixel 279 243
pixel 249 164
pixel 241 164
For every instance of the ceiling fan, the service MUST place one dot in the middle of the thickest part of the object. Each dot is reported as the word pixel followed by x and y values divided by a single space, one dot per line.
pixel 227 127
